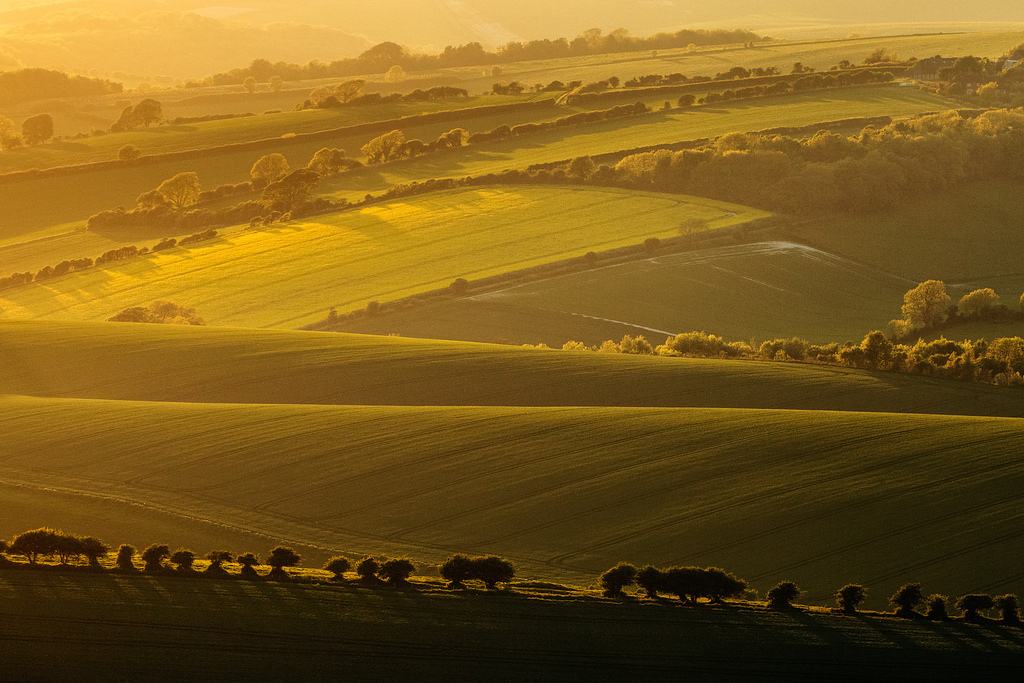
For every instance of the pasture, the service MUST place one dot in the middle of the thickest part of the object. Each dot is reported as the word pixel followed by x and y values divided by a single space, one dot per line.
pixel 289 275
pixel 820 498
pixel 169 629
pixel 30 211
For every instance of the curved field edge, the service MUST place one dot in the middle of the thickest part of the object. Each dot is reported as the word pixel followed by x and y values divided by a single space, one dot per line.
pixel 820 498
pixel 226 365
pixel 176 629
pixel 289 275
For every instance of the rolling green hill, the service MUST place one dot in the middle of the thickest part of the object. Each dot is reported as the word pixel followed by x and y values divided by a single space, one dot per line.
pixel 820 498
pixel 289 275
pixel 225 365
pixel 179 629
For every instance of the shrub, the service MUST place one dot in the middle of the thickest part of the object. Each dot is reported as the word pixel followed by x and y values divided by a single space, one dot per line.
pixel 651 244
pixel 154 557
pixel 975 605
pixel 367 569
pixel 906 599
pixel 183 559
pixel 937 608
pixel 94 549
pixel 1009 608
pixel 849 596
pixel 281 557
pixel 249 563
pixel 166 243
pixel 128 153
pixel 338 566
pixel 125 557
pixel 456 570
pixel 396 571
pixel 618 577
pixel 781 597
pixel 459 287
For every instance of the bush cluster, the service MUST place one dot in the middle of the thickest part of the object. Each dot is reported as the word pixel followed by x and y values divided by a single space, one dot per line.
pixel 689 584
pixel 491 570
pixel 159 311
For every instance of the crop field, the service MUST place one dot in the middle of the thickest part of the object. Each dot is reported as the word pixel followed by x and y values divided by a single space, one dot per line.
pixel 290 275
pixel 764 290
pixel 229 365
pixel 179 629
pixel 564 492
pixel 30 211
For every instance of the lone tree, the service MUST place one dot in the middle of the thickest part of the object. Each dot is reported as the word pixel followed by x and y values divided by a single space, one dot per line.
pixel 906 599
pixel 1009 608
pixel 183 559
pixel 927 304
pixel 267 169
pixel 367 570
pixel 618 577
pixel 182 190
pixel 493 570
pixel 975 605
pixel 849 596
pixel 782 596
pixel 125 557
pixel 217 558
pixel 37 129
pixel 384 148
pixel 396 571
pixel 154 557
pixel 338 566
pixel 281 557
pixel 937 608
pixel 457 569
pixel 651 580
pixel 94 549
pixel 34 544
pixel 249 563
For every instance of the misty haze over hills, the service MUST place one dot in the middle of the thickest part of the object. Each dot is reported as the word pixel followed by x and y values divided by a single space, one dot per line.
pixel 191 38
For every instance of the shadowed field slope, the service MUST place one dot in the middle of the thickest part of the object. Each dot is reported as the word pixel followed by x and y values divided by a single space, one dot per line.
pixel 218 365
pixel 821 498
pixel 289 275
pixel 224 630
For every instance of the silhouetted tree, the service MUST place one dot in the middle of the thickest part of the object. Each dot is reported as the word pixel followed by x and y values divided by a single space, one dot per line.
pixel 37 129
pixel 34 544
pixel 249 563
pixel 66 546
pixel 154 557
pixel 338 566
pixel 492 570
pixel 125 557
pixel 782 595
pixel 94 549
pixel 651 580
pixel 367 570
pixel 396 571
pixel 937 608
pixel 973 606
pixel 183 559
pixel 148 112
pixel 906 599
pixel 217 558
pixel 456 570
pixel 618 577
pixel 1009 609
pixel 849 596
pixel 281 557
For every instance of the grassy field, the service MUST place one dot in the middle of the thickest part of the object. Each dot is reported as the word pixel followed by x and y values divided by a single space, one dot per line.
pixel 763 290
pixel 820 498
pixel 291 274
pixel 30 211
pixel 169 629
pixel 227 365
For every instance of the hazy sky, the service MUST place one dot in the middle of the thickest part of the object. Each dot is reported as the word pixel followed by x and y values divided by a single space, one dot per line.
pixel 195 37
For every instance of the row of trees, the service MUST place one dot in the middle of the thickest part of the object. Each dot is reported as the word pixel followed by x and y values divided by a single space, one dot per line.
pixel 350 94
pixel 23 85
pixel 690 584
pixel 383 57
pixel 40 544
